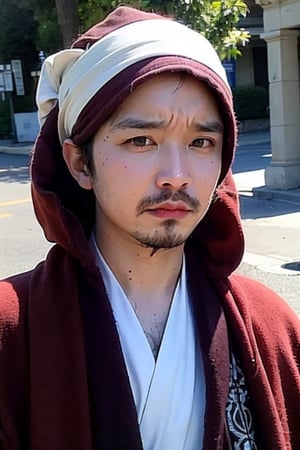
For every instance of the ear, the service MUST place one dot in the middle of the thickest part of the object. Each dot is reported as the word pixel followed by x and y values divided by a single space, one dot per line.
pixel 74 159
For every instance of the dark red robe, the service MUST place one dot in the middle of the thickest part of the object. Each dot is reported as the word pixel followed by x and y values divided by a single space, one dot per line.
pixel 63 380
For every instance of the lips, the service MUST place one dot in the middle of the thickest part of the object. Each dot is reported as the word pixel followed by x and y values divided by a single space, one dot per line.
pixel 170 210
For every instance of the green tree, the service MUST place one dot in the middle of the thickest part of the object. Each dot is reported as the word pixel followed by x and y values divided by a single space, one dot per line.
pixel 18 32
pixel 49 35
pixel 18 35
pixel 216 20
pixel 92 11
pixel 68 19
pixel 58 23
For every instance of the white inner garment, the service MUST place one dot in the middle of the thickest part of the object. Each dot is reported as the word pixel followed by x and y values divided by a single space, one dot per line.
pixel 169 393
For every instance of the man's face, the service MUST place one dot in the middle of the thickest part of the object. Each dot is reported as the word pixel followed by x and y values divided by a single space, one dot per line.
pixel 156 163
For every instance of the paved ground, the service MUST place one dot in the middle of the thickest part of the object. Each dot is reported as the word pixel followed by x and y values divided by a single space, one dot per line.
pixel 272 227
pixel 251 178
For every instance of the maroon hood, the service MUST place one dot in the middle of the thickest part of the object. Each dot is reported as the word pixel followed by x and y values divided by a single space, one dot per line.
pixel 66 212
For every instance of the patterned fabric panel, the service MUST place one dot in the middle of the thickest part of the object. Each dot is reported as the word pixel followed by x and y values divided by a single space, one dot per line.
pixel 239 418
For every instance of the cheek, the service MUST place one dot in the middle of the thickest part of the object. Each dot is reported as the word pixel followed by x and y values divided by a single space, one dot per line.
pixel 215 167
pixel 208 173
pixel 118 180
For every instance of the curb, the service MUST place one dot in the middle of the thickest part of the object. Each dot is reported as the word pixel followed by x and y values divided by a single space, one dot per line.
pixel 247 141
pixel 289 196
pixel 17 149
pixel 272 264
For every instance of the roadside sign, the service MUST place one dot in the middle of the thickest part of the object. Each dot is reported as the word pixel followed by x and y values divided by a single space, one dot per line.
pixel 18 76
pixel 8 79
pixel 230 68
pixel 2 85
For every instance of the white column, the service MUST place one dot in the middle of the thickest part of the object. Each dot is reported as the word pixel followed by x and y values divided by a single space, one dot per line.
pixel 284 169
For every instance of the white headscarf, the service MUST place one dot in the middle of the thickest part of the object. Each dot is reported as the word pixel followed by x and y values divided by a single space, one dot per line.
pixel 72 77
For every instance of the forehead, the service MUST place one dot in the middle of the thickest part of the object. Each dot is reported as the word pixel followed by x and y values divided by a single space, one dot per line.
pixel 174 92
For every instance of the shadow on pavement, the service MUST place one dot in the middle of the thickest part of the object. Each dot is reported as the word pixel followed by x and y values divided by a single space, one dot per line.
pixel 254 208
pixel 252 159
pixel 14 168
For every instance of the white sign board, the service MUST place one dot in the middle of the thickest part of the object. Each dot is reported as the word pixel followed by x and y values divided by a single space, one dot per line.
pixel 18 76
pixel 27 126
pixel 2 85
pixel 8 81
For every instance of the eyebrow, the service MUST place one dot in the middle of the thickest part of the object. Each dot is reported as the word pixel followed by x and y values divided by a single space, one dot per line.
pixel 214 126
pixel 132 122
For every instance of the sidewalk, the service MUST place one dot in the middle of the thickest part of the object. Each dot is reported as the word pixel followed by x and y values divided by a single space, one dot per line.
pixel 20 148
pixel 254 179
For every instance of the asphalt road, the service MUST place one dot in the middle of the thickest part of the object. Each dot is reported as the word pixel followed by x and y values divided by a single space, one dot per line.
pixel 22 241
pixel 272 229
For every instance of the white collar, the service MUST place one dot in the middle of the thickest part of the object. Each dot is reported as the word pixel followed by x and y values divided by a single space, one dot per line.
pixel 169 393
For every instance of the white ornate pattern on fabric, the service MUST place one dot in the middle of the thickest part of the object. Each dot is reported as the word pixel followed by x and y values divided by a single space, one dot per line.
pixel 169 393
pixel 239 418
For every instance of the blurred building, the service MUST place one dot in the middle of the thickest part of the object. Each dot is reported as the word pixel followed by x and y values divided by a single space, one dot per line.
pixel 281 21
pixel 252 67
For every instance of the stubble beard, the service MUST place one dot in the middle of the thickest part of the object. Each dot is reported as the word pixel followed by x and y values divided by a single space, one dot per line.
pixel 161 239
pixel 165 237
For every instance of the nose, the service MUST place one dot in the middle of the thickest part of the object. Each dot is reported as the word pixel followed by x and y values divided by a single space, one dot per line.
pixel 173 171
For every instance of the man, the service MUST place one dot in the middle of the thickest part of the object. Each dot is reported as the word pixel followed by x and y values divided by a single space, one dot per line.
pixel 134 333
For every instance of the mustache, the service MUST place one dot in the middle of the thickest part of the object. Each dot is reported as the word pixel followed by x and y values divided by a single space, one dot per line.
pixel 149 202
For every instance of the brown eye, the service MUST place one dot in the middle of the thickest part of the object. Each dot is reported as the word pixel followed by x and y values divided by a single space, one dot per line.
pixel 201 143
pixel 140 141
pixel 139 144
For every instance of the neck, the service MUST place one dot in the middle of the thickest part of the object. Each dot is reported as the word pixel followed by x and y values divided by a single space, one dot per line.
pixel 148 279
pixel 141 273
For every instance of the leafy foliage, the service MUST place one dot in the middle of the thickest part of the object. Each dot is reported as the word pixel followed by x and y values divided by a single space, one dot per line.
pixel 37 20
pixel 92 11
pixel 18 32
pixel 27 26
pixel 49 35
pixel 18 35
pixel 216 20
